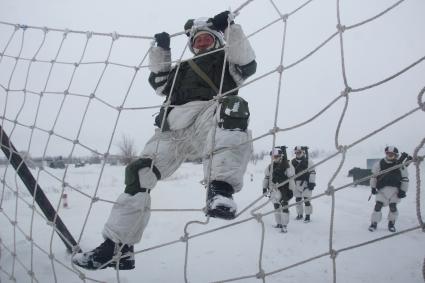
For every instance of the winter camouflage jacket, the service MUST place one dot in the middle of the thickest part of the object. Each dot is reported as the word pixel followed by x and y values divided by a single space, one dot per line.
pixel 189 86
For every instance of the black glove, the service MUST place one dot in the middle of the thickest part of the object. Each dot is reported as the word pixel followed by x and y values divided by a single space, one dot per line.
pixel 266 192
pixel 401 194
pixel 374 191
pixel 220 21
pixel 163 40
pixel 311 186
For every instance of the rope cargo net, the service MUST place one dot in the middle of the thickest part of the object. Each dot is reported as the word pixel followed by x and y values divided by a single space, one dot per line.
pixel 18 119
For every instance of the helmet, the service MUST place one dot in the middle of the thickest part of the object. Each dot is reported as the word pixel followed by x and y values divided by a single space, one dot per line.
pixel 391 152
pixel 299 151
pixel 202 26
pixel 276 152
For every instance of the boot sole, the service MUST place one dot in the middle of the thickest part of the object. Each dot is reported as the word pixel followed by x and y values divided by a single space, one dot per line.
pixel 120 266
pixel 90 266
pixel 218 213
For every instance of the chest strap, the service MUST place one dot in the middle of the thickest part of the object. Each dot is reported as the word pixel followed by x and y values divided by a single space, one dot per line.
pixel 202 75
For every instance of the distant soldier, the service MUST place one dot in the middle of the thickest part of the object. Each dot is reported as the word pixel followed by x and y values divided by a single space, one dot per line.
pixel 388 187
pixel 280 196
pixel 305 183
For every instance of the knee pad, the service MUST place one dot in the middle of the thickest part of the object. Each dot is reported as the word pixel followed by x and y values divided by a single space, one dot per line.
pixel 234 113
pixel 378 206
pixel 393 207
pixel 307 203
pixel 298 199
pixel 276 206
pixel 132 174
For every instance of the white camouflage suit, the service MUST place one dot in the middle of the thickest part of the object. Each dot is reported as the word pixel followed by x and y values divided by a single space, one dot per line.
pixel 281 216
pixel 301 188
pixel 191 134
pixel 387 195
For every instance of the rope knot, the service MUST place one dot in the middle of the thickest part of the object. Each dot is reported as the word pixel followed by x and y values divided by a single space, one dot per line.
pixel 280 69
pixel 115 36
pixel 342 148
pixel 184 238
pixel 333 254
pixel 285 17
pixel 340 28
pixel 258 216
pixel 346 91
pixel 261 274
pixel 89 34
pixel 274 130
pixel 330 190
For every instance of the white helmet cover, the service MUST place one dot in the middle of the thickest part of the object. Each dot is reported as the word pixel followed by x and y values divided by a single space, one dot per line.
pixel 202 24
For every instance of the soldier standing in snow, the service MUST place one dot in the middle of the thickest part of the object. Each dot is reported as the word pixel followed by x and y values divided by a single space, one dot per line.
pixel 305 183
pixel 186 128
pixel 388 187
pixel 280 196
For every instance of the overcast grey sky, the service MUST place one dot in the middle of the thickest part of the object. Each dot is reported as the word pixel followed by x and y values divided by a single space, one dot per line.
pixel 373 52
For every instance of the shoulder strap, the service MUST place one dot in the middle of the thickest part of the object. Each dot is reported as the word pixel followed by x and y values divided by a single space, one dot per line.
pixel 202 75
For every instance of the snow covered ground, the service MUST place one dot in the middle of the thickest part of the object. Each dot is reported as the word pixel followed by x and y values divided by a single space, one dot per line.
pixel 231 252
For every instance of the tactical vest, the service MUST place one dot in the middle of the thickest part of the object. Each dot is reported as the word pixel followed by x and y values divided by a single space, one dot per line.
pixel 189 86
pixel 301 165
pixel 279 174
pixel 391 178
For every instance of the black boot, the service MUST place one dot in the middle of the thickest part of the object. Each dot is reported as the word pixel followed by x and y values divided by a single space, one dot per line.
pixel 373 226
pixel 220 202
pixel 299 217
pixel 307 218
pixel 279 226
pixel 391 227
pixel 102 257
pixel 126 260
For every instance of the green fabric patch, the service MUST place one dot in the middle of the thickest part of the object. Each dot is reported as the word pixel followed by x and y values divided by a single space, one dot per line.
pixel 234 113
